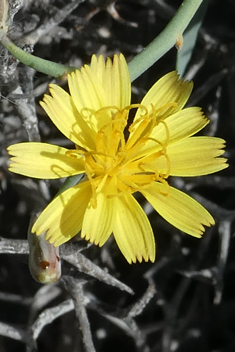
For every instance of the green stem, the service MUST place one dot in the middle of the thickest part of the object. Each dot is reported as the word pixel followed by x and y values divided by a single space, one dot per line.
pixel 165 40
pixel 41 65
pixel 141 62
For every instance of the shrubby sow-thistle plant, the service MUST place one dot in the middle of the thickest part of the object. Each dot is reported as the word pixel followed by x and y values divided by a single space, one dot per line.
pixel 120 158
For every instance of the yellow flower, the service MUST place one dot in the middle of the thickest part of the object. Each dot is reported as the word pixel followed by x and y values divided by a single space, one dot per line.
pixel 120 158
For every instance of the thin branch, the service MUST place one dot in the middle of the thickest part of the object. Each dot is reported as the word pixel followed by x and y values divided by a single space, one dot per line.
pixel 86 266
pixel 27 113
pixel 78 260
pixel 75 288
pixel 12 332
pixel 50 23
pixel 139 306
pixel 18 335
pixel 13 246
pixel 225 235
pixel 49 315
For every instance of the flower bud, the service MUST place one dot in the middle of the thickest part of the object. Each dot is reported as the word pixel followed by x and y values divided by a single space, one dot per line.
pixel 44 261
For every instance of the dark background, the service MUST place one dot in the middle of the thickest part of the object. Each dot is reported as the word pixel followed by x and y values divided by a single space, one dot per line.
pixel 183 302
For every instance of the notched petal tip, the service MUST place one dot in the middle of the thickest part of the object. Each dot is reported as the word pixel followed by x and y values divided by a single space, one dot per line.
pixel 140 254
pixel 146 257
pixel 12 149
pixel 200 228
pixel 224 163
pixel 91 239
pixel 179 209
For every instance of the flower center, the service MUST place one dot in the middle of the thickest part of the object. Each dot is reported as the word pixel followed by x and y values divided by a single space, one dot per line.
pixel 127 157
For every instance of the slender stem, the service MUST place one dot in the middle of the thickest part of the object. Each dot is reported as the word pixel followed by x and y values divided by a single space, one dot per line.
pixel 41 65
pixel 141 62
pixel 165 40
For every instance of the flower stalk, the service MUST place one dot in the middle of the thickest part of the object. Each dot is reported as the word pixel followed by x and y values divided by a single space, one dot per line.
pixel 166 40
pixel 45 66
pixel 141 62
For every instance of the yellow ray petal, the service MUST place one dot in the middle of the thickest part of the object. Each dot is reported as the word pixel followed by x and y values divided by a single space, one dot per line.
pixel 97 224
pixel 61 110
pixel 167 90
pixel 101 85
pixel 132 230
pixel 194 156
pixel 179 209
pixel 184 123
pixel 98 66
pixel 89 96
pixel 86 89
pixel 180 125
pixel 42 160
pixel 63 217
pixel 116 82
pixel 115 79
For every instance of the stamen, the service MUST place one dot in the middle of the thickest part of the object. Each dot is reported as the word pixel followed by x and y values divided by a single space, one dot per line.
pixel 140 106
pixel 114 121
pixel 94 152
pixel 137 106
pixel 166 184
pixel 110 107
pixel 156 141
pixel 145 125
pixel 145 168
pixel 113 157
pixel 168 166
pixel 110 136
pixel 167 131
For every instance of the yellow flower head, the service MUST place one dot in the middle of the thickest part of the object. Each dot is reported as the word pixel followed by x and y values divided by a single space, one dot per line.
pixel 120 158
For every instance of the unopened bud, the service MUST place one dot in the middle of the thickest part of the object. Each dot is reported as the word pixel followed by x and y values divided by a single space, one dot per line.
pixel 44 260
